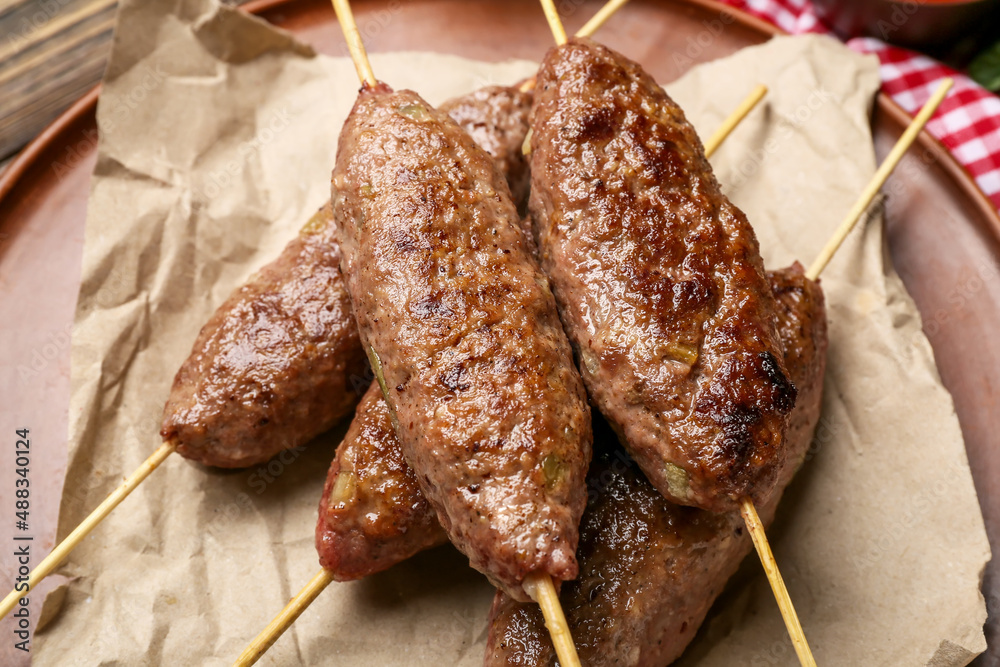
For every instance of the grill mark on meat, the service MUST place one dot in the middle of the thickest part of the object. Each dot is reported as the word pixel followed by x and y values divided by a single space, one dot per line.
pixel 452 378
pixel 784 391
pixel 598 125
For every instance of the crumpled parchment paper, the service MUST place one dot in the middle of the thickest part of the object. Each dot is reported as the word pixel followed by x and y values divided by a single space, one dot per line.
pixel 217 140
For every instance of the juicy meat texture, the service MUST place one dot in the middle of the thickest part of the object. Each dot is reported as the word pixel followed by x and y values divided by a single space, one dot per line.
pixel 801 315
pixel 464 337
pixel 649 569
pixel 280 361
pixel 277 364
pixel 659 281
pixel 496 117
pixel 372 514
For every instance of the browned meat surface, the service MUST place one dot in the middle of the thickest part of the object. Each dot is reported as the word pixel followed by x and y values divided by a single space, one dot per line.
pixel 659 281
pixel 492 414
pixel 280 361
pixel 496 117
pixel 275 366
pixel 801 316
pixel 372 514
pixel 649 569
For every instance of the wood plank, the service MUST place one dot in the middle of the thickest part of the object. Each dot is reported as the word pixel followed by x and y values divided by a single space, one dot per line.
pixel 51 53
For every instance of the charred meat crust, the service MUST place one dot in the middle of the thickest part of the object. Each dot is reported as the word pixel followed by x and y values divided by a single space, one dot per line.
pixel 659 281
pixel 492 414
pixel 650 570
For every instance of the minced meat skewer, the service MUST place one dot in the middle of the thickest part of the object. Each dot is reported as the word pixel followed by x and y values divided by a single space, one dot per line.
pixel 634 544
pixel 463 336
pixel 372 514
pixel 659 281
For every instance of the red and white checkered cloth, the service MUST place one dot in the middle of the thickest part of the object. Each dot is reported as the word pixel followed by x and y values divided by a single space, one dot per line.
pixel 967 122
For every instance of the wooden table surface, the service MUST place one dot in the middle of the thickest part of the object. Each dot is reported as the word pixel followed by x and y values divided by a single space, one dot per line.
pixel 51 53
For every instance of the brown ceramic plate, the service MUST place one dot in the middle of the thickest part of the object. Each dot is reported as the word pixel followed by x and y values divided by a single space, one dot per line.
pixel 944 235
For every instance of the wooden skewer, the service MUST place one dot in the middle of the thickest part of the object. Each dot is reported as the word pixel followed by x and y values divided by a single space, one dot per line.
pixel 879 179
pixel 791 619
pixel 292 611
pixel 735 118
pixel 781 596
pixel 555 23
pixel 58 554
pixel 588 29
pixel 354 44
pixel 600 18
pixel 856 213
pixel 747 509
pixel 541 589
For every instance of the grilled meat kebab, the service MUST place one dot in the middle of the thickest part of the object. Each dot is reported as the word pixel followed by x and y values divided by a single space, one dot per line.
pixel 280 361
pixel 649 569
pixel 463 337
pixel 273 367
pixel 659 281
pixel 372 514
